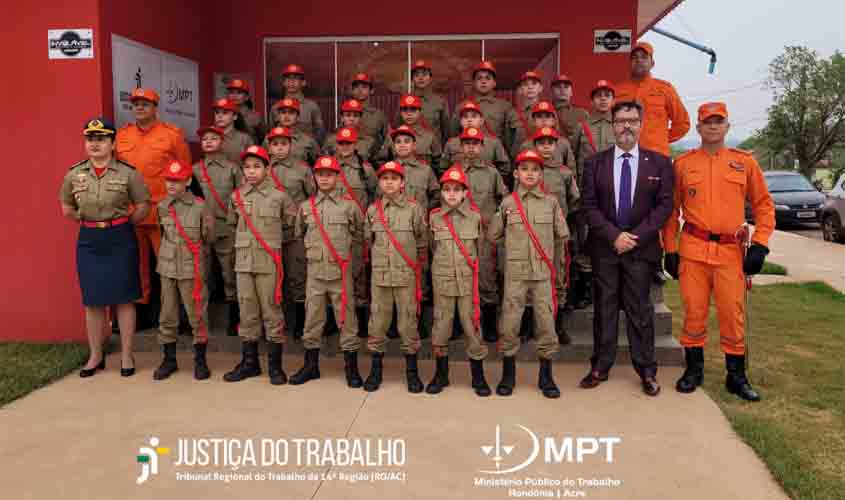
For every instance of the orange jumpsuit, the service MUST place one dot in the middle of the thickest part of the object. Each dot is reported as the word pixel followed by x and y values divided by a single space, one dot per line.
pixel 661 105
pixel 710 192
pixel 149 151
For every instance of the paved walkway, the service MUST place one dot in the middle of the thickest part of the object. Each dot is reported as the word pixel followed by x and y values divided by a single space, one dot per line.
pixel 78 438
pixel 808 259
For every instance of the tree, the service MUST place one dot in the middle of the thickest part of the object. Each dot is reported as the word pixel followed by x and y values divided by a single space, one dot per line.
pixel 807 118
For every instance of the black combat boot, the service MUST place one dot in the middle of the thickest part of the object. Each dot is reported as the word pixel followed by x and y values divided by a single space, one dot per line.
pixel 488 323
pixel 546 382
pixel 168 364
pixel 350 366
pixel 274 364
pixel 479 383
pixel 374 379
pixel 412 376
pixel 563 338
pixel 694 373
pixel 234 319
pixel 310 369
pixel 736 382
pixel 249 365
pixel 506 385
pixel 201 371
pixel 441 376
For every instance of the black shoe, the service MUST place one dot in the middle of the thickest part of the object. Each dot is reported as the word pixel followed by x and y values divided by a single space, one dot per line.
pixel 310 369
pixel 201 371
pixel 441 376
pixel 546 382
pixel 412 376
pixel 736 381
pixel 479 383
pixel 249 365
pixel 563 337
pixel 593 379
pixel 88 372
pixel 650 386
pixel 128 372
pixel 694 373
pixel 350 367
pixel 234 319
pixel 374 378
pixel 506 385
pixel 274 364
pixel 168 364
pixel 488 323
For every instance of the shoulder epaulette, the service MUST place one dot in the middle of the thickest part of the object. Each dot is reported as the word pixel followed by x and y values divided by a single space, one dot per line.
pixel 124 163
pixel 434 211
pixel 685 154
pixel 741 151
pixel 171 126
pixel 77 164
pixel 348 196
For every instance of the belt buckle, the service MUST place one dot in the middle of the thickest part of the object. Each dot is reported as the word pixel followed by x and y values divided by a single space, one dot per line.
pixel 102 224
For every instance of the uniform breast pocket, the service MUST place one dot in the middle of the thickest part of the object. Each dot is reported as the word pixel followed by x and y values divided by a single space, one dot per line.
pixel 117 193
pixel 735 182
pixel 338 228
pixel 271 221
pixel 191 224
pixel 513 218
pixel 693 182
pixel 655 106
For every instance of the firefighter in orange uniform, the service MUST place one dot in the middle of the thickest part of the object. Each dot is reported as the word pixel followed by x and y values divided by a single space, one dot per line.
pixel 150 145
pixel 660 102
pixel 712 184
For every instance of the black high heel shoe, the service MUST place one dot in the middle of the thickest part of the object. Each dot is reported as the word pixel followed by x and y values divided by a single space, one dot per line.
pixel 128 372
pixel 88 372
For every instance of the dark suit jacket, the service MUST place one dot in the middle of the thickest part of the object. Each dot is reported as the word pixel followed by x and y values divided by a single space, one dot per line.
pixel 650 211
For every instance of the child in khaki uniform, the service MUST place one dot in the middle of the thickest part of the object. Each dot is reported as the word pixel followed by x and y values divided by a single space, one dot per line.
pixel 187 228
pixel 351 112
pixel 454 236
pixel 218 177
pixel 533 226
pixel 234 140
pixel 395 225
pixel 428 147
pixel 293 177
pixel 331 224
pixel 492 149
pixel 558 181
pixel 264 218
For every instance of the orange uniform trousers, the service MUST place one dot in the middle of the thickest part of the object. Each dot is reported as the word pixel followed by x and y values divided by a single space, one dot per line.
pixel 726 283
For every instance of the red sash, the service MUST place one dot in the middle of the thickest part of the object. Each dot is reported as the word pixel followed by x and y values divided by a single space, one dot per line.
pixel 194 247
pixel 214 193
pixel 537 246
pixel 276 180
pixel 589 134
pixel 340 261
pixel 524 121
pixel 349 190
pixel 410 262
pixel 277 257
pixel 473 264
pixel 484 223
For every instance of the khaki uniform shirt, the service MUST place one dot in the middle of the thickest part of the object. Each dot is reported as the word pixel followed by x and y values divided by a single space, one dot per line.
pixel 546 218
pixel 361 178
pixel 601 128
pixel 406 219
pixel 295 176
pixel 225 175
pixel 428 147
pixel 562 153
pixel 451 275
pixel 435 113
pixel 559 181
pixel 492 151
pixel 374 124
pixel 175 259
pixel 499 118
pixel 421 183
pixel 310 118
pixel 343 223
pixel 524 126
pixel 302 147
pixel 486 186
pixel 364 146
pixel 234 143
pixel 272 213
pixel 103 198
pixel 569 117
pixel 255 126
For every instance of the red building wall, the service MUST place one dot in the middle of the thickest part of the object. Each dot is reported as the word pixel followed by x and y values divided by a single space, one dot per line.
pixel 49 100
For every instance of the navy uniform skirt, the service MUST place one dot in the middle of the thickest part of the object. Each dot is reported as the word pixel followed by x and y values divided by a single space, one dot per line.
pixel 107 264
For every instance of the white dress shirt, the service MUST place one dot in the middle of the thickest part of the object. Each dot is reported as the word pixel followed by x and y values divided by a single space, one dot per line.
pixel 617 171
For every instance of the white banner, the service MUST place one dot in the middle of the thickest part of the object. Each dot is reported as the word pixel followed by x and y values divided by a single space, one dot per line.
pixel 175 78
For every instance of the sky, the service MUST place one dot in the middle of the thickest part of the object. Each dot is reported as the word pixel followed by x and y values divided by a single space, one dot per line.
pixel 746 35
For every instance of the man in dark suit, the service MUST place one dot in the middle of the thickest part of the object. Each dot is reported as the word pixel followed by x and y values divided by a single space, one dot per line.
pixel 626 199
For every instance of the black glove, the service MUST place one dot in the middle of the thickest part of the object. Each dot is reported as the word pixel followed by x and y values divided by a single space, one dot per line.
pixel 754 258
pixel 671 262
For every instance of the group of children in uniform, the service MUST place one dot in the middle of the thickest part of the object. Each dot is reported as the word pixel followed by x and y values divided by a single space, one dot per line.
pixel 295 230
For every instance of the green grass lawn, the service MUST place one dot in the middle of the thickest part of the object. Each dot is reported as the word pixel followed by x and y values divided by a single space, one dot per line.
pixel 796 345
pixel 26 367
pixel 772 268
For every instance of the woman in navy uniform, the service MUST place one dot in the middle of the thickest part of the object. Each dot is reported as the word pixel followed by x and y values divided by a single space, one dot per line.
pixel 106 197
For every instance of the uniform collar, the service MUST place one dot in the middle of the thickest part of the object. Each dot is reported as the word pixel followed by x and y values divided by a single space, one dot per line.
pixel 560 104
pixel 400 201
pixel 424 93
pixel 323 196
pixel 147 130
pixel 216 157
pixel 264 187
pixel 523 192
pixel 111 165
pixel 411 161
pixel 463 209
pixel 596 116
pixel 285 162
pixel 187 198
pixel 551 163
pixel 491 97
pixel 231 132
pixel 352 161
pixel 299 96
pixel 476 163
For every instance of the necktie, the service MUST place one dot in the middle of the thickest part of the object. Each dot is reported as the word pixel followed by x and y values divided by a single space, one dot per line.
pixel 623 211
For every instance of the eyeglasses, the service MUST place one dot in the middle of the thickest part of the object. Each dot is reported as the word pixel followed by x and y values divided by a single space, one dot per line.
pixel 633 122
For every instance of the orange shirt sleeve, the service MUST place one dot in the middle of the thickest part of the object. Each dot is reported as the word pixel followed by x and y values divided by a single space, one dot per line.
pixel 677 114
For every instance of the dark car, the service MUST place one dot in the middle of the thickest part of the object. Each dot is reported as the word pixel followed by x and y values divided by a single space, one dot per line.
pixel 796 200
pixel 833 215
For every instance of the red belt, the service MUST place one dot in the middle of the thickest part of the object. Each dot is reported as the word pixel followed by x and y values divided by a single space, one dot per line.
pixel 706 235
pixel 104 224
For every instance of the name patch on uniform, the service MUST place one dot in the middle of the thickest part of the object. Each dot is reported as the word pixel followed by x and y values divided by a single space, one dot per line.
pixel 739 167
